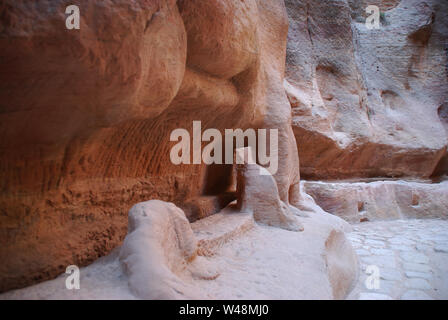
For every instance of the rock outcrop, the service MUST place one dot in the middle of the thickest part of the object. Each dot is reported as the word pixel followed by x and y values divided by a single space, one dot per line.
pixel 86 117
pixel 165 257
pixel 160 252
pixel 381 200
pixel 368 103
pixel 258 194
pixel 342 264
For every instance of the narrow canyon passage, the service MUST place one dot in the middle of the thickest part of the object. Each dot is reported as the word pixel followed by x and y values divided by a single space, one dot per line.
pixel 411 255
pixel 127 140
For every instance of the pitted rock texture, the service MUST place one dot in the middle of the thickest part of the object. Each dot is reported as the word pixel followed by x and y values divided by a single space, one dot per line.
pixel 160 252
pixel 368 103
pixel 258 194
pixel 86 117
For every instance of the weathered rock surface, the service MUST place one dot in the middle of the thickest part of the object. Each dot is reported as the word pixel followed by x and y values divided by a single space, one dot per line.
pixel 254 261
pixel 160 253
pixel 86 117
pixel 368 103
pixel 342 264
pixel 380 200
pixel 258 194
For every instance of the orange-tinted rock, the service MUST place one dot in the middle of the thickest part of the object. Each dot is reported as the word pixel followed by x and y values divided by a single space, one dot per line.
pixel 86 117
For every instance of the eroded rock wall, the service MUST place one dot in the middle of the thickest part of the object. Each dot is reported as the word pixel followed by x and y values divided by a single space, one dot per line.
pixel 366 103
pixel 86 117
pixel 381 200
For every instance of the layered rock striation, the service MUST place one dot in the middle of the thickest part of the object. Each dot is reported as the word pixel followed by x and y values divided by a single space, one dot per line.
pixel 368 103
pixel 86 117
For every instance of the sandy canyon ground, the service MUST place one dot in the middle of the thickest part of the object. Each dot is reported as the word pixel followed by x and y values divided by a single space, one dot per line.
pixel 269 263
pixel 86 176
pixel 260 263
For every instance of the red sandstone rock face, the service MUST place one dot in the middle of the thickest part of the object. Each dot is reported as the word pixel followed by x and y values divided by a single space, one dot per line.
pixel 365 102
pixel 86 117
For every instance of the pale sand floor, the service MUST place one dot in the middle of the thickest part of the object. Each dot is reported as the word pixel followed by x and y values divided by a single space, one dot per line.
pixel 267 263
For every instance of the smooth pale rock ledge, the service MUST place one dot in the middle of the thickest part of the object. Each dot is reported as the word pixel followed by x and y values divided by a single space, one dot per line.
pixel 225 256
pixel 380 200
